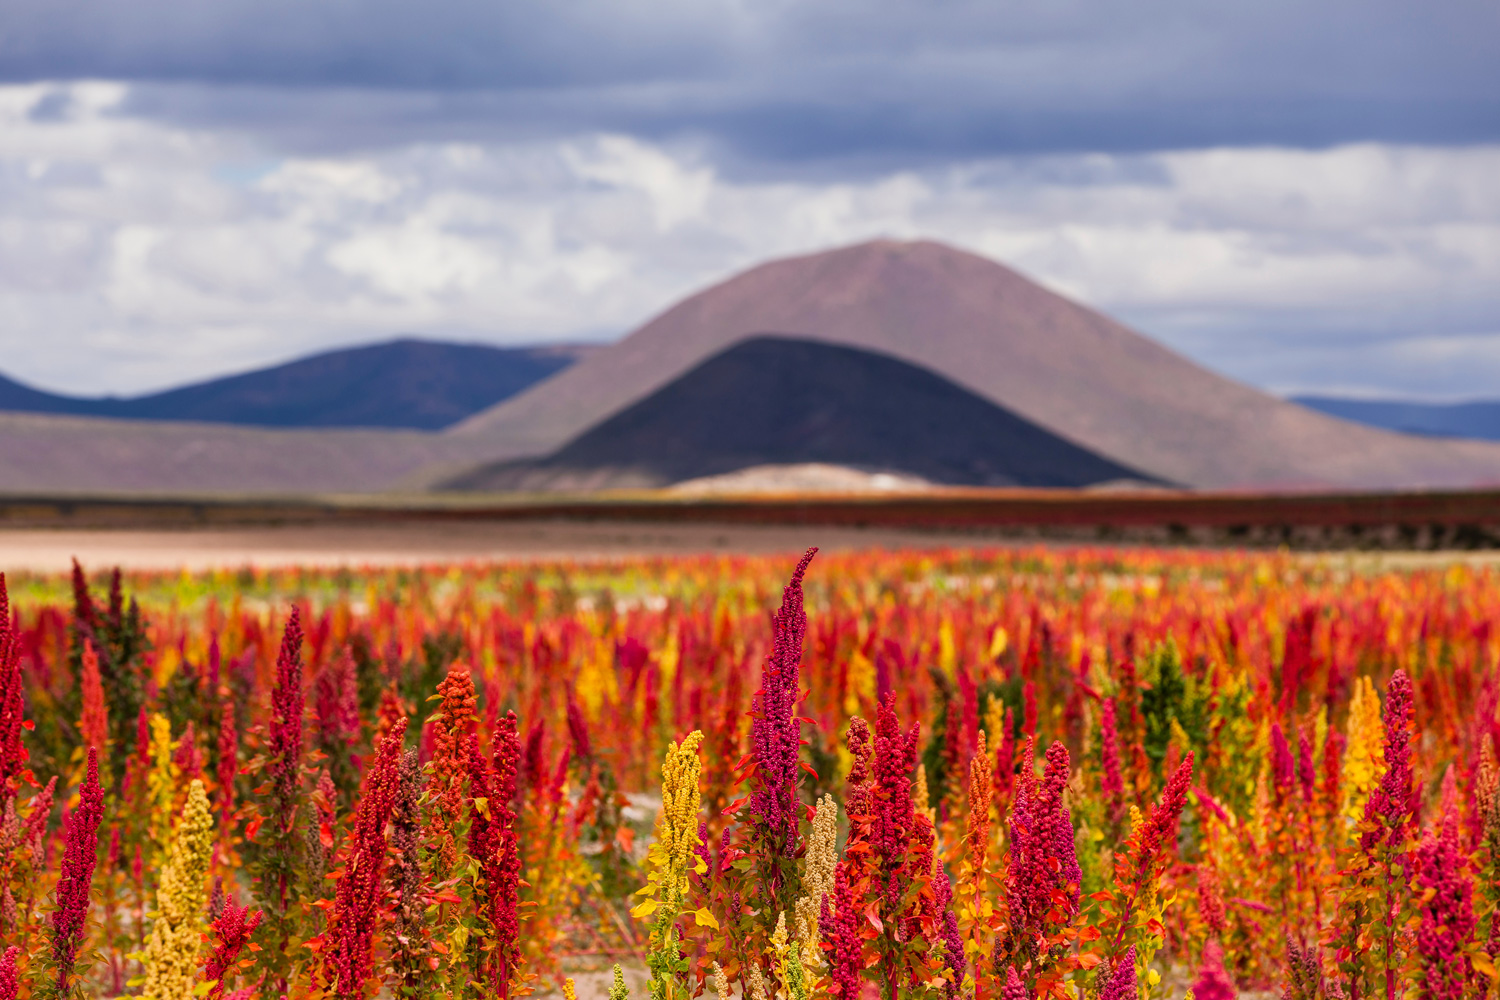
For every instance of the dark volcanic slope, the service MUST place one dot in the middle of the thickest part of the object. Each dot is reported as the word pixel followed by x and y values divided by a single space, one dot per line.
pixel 1478 419
pixel 414 384
pixel 780 400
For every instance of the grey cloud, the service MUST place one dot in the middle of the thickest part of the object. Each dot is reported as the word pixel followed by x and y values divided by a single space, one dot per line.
pixel 864 84
pixel 371 43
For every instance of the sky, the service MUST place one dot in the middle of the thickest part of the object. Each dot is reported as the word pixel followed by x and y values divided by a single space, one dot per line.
pixel 1305 196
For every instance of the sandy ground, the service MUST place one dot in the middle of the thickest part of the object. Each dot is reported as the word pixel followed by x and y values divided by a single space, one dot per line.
pixel 807 477
pixel 592 978
pixel 195 549
pixel 50 551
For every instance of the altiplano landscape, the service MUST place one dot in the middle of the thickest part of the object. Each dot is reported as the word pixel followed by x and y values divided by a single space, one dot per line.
pixel 749 501
pixel 431 670
pixel 1069 372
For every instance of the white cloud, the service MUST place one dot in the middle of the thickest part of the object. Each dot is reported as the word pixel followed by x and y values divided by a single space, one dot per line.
pixel 135 254
pixel 676 193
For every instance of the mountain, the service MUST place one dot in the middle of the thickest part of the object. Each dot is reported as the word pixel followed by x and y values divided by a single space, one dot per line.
pixel 1050 361
pixel 1043 359
pixel 1479 419
pixel 775 400
pixel 20 398
pixel 407 383
pixel 305 416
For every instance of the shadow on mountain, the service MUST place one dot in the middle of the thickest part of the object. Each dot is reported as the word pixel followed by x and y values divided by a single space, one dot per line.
pixel 774 400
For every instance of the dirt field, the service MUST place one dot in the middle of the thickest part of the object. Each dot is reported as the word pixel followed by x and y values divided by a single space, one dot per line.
pixel 45 551
pixel 51 550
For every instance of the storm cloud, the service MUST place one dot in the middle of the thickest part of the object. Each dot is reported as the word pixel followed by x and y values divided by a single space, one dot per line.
pixel 885 81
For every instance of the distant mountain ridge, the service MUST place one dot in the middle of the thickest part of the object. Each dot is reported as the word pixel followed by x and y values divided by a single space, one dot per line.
pixel 1052 364
pixel 773 400
pixel 406 384
pixel 1477 419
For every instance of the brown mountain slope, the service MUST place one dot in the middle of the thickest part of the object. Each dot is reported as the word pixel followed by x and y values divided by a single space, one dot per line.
pixel 45 453
pixel 1054 362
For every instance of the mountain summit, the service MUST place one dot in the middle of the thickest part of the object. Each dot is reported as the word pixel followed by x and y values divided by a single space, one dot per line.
pixel 1064 372
pixel 1051 361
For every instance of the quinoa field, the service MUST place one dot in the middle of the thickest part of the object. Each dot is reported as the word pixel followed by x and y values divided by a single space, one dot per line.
pixel 1006 774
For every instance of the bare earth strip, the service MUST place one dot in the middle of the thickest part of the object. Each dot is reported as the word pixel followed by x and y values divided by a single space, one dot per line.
pixel 50 551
